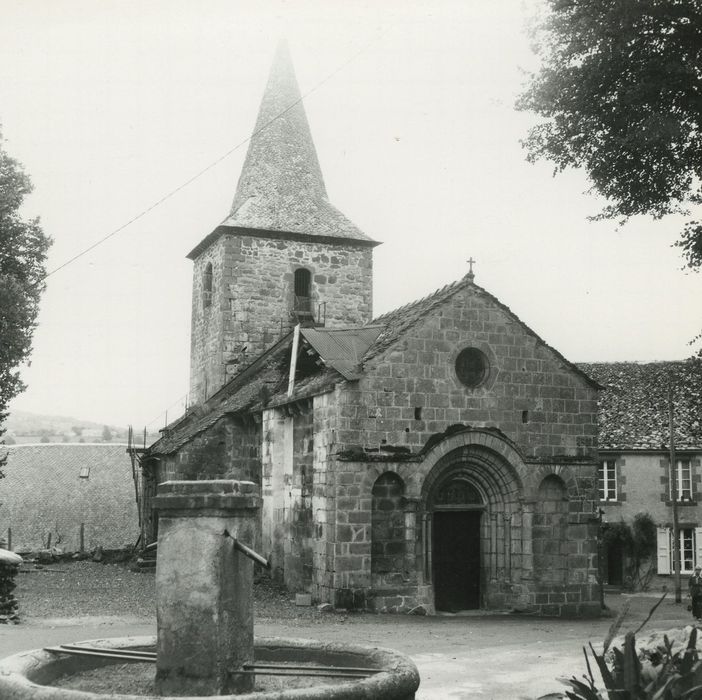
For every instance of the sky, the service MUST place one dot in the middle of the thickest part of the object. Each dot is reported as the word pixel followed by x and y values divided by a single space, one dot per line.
pixel 132 119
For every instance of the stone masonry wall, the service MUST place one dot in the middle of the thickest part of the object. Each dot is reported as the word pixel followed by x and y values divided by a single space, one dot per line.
pixel 412 391
pixel 230 449
pixel 207 322
pixel 324 501
pixel 253 294
pixel 388 544
pixel 287 475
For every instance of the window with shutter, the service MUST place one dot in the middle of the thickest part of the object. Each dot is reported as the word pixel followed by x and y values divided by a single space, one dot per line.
pixel 663 550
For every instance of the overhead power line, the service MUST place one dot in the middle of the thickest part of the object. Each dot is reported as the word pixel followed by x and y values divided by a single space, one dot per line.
pixel 214 163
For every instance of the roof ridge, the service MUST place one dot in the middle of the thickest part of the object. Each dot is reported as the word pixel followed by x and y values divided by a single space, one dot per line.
pixel 420 300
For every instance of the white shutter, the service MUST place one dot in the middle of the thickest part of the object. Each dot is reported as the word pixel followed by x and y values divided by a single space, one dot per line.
pixel 698 546
pixel 663 550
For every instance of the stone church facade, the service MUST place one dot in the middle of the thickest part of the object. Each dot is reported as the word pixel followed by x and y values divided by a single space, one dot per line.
pixel 440 455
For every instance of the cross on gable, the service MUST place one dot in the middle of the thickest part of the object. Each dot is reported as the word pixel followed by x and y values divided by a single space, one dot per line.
pixel 471 262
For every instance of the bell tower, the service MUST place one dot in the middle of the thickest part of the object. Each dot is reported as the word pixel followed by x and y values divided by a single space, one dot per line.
pixel 284 254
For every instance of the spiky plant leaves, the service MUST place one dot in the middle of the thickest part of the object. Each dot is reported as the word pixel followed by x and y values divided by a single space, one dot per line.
pixel 650 613
pixel 632 665
pixel 690 656
pixel 692 693
pixel 609 680
pixel 615 626
pixel 581 691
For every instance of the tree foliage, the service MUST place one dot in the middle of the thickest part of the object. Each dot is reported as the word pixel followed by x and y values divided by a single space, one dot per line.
pixel 23 248
pixel 620 88
pixel 638 542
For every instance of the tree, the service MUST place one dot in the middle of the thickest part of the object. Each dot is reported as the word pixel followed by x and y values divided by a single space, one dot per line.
pixel 106 434
pixel 620 88
pixel 23 248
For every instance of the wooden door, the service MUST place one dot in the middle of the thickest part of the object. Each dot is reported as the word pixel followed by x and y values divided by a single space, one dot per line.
pixel 456 560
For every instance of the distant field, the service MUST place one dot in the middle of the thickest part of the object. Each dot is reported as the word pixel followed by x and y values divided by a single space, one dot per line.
pixel 24 428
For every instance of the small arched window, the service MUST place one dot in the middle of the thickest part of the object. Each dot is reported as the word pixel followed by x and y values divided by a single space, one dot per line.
pixel 303 297
pixel 207 286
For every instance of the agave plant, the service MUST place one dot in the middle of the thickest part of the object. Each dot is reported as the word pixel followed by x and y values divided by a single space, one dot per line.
pixel 667 674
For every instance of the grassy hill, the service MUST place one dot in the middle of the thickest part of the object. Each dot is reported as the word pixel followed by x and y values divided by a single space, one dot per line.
pixel 23 427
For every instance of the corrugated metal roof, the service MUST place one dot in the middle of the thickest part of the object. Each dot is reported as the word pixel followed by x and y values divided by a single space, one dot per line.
pixel 342 348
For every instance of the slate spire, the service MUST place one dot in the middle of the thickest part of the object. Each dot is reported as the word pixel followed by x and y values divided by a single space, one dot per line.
pixel 281 187
pixel 281 158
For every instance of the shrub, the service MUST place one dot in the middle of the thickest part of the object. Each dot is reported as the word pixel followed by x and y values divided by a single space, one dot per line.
pixel 662 669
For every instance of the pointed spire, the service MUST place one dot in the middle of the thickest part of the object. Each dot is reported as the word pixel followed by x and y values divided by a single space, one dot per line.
pixel 281 187
pixel 281 156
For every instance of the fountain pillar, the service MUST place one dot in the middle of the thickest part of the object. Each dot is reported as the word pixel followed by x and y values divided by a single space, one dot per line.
pixel 204 598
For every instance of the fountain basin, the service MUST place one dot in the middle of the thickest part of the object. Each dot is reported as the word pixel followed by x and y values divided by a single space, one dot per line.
pixel 29 675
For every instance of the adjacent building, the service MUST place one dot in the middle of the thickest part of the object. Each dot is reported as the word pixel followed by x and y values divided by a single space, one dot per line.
pixel 639 404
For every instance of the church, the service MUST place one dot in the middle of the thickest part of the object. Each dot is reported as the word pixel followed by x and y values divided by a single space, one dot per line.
pixel 438 458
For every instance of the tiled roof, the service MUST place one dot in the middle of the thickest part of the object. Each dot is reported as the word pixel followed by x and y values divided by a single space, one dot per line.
pixel 281 187
pixel 397 322
pixel 264 382
pixel 43 493
pixel 250 388
pixel 633 408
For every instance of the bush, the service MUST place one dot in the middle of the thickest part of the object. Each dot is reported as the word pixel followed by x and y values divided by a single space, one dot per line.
pixel 9 566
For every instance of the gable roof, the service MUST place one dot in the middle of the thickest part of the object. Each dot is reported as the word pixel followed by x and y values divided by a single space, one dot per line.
pixel 281 188
pixel 43 493
pixel 399 321
pixel 633 408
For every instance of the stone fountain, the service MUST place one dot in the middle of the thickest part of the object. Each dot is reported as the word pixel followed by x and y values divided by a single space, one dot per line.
pixel 205 645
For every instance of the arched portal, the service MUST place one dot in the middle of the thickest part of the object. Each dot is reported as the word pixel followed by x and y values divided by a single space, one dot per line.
pixel 472 528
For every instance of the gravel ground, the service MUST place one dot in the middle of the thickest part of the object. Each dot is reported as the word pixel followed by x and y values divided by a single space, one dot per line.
pixel 87 588
pixel 486 654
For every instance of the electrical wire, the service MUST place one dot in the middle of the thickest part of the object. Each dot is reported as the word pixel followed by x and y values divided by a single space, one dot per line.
pixel 214 163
